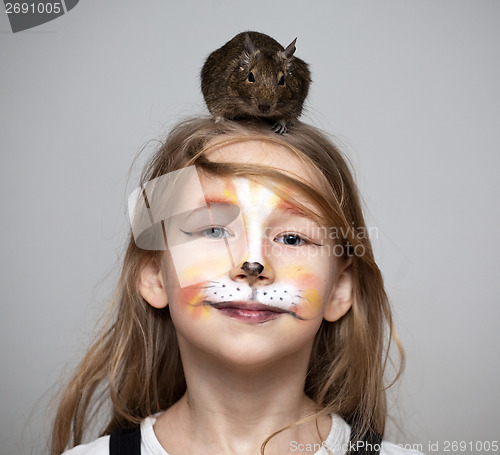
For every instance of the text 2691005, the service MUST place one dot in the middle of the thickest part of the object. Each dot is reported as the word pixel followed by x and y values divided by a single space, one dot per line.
pixel 33 8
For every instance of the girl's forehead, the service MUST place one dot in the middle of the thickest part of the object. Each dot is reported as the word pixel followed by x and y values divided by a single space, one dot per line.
pixel 263 153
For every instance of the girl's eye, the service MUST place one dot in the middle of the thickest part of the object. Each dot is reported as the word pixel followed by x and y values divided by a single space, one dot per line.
pixel 291 240
pixel 281 81
pixel 251 77
pixel 215 233
pixel 212 232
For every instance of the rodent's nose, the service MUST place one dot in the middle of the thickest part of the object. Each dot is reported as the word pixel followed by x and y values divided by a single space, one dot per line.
pixel 264 108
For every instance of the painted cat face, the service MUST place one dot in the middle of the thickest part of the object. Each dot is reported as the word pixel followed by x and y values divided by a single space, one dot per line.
pixel 248 254
pixel 242 251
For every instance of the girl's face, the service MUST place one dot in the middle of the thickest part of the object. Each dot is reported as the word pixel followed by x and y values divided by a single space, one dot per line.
pixel 248 276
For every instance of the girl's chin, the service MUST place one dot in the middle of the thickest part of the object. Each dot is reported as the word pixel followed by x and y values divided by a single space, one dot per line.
pixel 253 350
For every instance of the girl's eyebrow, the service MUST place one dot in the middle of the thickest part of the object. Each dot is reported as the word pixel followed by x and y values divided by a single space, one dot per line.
pixel 204 206
pixel 209 200
pixel 288 208
pixel 217 200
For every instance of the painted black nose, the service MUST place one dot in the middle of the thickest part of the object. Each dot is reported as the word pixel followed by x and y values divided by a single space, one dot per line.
pixel 252 268
pixel 264 108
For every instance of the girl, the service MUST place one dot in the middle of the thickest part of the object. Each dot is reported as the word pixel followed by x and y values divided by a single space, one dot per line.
pixel 250 317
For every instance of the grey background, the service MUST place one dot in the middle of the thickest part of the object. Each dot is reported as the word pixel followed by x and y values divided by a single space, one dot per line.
pixel 411 89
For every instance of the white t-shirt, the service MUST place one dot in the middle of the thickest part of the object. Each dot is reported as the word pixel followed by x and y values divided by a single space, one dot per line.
pixel 337 443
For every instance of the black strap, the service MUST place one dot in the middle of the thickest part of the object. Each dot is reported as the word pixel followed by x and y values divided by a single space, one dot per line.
pixel 369 445
pixel 125 441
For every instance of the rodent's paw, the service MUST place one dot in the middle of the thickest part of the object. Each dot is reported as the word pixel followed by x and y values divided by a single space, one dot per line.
pixel 218 119
pixel 279 128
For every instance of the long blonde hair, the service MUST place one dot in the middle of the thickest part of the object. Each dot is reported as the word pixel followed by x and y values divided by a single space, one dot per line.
pixel 135 363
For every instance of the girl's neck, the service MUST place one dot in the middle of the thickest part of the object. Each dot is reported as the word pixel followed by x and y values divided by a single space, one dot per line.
pixel 232 409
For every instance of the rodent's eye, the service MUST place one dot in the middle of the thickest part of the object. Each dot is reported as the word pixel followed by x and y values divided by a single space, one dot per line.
pixel 281 81
pixel 251 77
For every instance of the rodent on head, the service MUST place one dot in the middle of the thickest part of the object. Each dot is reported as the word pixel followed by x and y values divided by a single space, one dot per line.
pixel 265 84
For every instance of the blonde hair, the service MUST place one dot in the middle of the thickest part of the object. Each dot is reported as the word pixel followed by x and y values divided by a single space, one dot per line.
pixel 135 362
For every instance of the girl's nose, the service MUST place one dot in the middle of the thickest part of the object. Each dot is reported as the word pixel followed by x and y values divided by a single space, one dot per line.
pixel 252 268
pixel 253 273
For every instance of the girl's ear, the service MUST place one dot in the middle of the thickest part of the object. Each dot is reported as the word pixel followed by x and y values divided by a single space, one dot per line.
pixel 341 297
pixel 151 283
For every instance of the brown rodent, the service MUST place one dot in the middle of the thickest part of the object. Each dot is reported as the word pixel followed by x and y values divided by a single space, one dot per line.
pixel 252 75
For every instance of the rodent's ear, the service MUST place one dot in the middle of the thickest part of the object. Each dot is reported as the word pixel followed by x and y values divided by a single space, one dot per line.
pixel 290 49
pixel 248 49
pixel 248 45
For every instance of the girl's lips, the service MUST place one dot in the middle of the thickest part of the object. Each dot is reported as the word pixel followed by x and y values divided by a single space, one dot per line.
pixel 248 312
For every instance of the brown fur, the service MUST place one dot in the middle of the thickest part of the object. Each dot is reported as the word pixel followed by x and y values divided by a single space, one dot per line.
pixel 228 92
